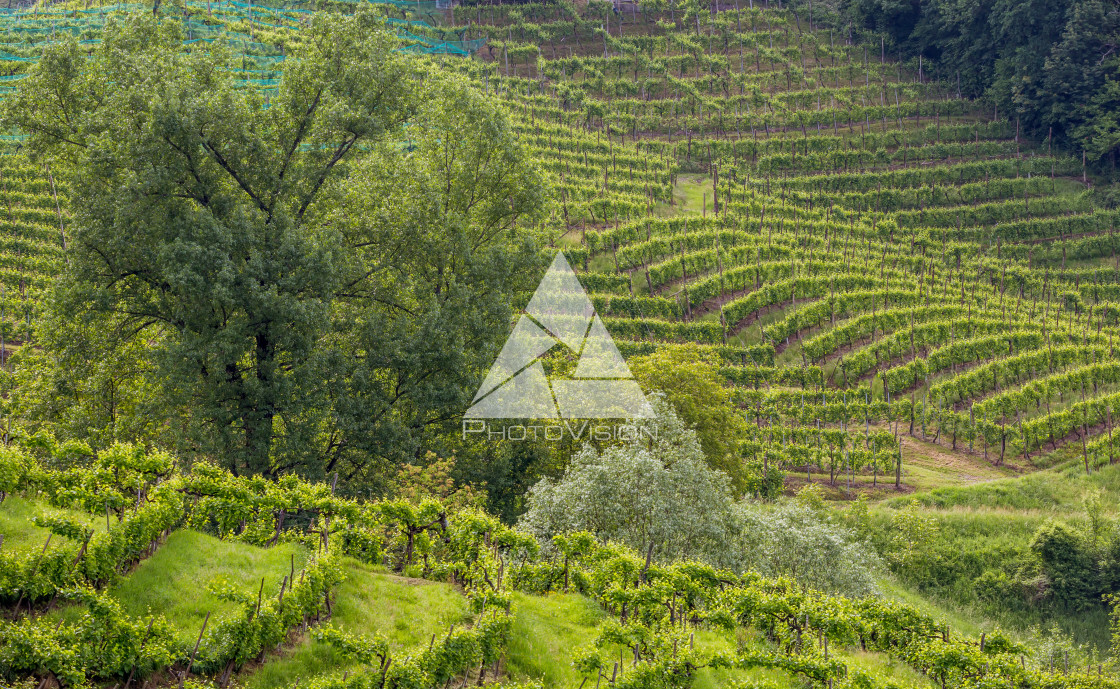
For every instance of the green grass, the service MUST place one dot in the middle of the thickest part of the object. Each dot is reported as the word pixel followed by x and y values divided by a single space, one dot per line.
pixel 21 534
pixel 174 582
pixel 972 540
pixel 1087 627
pixel 1053 491
pixel 710 641
pixel 405 611
pixel 752 334
pixel 927 467
pixel 546 631
pixel 601 263
pixel 690 193
pixel 886 669
pixel 967 543
pixel 959 620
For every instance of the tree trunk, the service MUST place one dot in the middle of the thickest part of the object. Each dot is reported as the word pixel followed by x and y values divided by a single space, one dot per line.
pixel 258 419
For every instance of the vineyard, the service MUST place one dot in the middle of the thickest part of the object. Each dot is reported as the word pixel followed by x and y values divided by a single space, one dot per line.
pixel 862 232
pixel 869 250
pixel 661 625
pixel 887 280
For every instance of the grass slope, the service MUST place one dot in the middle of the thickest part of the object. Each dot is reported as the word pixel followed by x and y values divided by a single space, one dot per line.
pixel 174 582
pixel 405 611
pixel 547 630
pixel 988 526
pixel 1054 490
pixel 20 533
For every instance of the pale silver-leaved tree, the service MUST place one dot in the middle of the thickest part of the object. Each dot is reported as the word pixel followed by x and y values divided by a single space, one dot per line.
pixel 661 498
pixel 648 494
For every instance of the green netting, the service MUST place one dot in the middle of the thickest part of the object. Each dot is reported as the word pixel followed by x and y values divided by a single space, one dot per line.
pixel 204 29
pixel 419 6
pixel 422 25
pixel 255 7
pixel 426 44
pixel 442 49
pixel 471 46
pixel 23 31
pixel 244 46
pixel 112 8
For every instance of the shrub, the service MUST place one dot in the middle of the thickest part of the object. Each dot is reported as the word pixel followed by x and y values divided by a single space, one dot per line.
pixel 661 498
pixel 1110 564
pixel 1115 601
pixel 1067 564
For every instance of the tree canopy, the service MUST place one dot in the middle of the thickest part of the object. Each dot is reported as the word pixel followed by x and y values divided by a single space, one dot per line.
pixel 689 378
pixel 321 275
pixel 1051 63
pixel 658 497
pixel 661 498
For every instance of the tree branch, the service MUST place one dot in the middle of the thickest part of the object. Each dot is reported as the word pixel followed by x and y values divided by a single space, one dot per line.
pixel 220 159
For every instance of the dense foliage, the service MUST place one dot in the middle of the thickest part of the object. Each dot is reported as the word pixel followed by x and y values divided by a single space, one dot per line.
pixel 309 292
pixel 657 496
pixel 1052 65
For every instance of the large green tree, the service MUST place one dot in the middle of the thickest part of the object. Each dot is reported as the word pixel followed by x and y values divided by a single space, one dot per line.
pixel 321 276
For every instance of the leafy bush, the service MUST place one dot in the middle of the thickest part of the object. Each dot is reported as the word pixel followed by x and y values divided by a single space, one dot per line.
pixel 660 498
pixel 1110 564
pixel 912 534
pixel 1067 563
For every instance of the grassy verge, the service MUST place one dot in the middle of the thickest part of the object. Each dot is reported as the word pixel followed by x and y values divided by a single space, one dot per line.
pixel 546 631
pixel 1055 491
